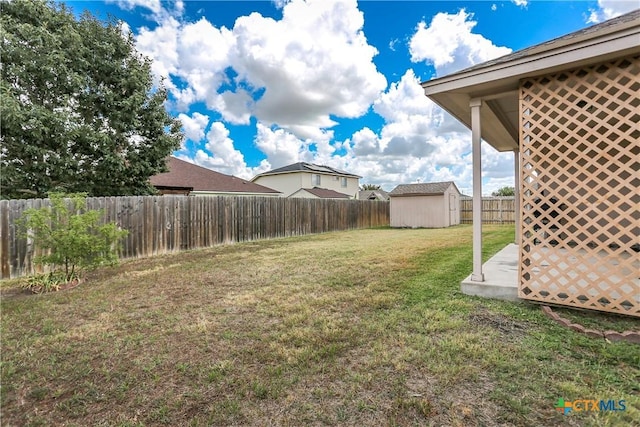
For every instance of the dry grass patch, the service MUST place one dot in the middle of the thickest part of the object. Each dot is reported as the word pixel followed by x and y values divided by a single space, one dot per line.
pixel 354 328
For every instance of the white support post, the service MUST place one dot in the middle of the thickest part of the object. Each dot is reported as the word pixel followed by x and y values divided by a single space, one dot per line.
pixel 516 194
pixel 476 275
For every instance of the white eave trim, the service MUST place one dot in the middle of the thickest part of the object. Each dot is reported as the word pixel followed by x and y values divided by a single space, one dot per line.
pixel 611 45
pixel 231 193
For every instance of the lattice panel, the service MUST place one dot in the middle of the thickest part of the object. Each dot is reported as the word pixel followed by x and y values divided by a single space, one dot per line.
pixel 580 157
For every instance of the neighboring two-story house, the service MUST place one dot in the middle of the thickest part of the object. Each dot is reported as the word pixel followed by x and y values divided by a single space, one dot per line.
pixel 291 179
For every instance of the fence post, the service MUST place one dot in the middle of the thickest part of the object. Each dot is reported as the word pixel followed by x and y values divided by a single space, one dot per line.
pixel 161 224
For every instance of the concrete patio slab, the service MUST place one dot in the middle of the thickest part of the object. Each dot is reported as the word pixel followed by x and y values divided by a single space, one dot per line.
pixel 500 277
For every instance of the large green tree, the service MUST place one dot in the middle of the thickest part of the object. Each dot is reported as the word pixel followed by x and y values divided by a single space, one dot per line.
pixel 79 111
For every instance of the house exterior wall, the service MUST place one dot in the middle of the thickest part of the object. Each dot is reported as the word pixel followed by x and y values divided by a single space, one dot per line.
pixel 290 182
pixel 286 183
pixel 418 211
pixel 580 205
pixel 334 182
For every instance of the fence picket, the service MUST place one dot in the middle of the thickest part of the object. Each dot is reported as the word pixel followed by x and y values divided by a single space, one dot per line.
pixel 495 210
pixel 160 224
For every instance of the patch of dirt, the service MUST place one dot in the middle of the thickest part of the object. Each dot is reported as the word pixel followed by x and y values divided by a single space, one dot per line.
pixel 460 404
pixel 508 328
pixel 14 292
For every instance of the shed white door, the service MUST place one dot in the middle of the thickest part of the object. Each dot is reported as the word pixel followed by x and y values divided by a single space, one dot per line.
pixel 453 209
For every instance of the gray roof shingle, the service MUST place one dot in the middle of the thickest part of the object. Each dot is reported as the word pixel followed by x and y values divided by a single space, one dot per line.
pixel 423 188
pixel 308 167
pixel 325 193
pixel 187 175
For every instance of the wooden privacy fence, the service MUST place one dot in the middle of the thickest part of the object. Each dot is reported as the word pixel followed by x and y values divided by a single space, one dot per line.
pixel 495 210
pixel 158 224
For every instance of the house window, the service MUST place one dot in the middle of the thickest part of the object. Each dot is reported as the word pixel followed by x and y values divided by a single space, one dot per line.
pixel 343 181
pixel 315 179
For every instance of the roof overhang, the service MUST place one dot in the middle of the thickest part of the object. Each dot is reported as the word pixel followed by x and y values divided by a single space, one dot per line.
pixel 173 187
pixel 497 82
pixel 416 194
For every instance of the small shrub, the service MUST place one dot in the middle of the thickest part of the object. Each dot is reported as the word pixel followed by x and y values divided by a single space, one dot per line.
pixel 49 282
pixel 72 239
pixel 40 283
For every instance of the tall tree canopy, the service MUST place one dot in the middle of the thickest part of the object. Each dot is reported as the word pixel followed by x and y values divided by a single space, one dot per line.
pixel 78 106
pixel 370 187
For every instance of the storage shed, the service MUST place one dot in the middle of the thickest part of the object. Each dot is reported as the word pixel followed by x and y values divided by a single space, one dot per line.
pixel 427 205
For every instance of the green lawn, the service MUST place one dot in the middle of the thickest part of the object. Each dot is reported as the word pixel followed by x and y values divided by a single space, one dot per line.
pixel 362 327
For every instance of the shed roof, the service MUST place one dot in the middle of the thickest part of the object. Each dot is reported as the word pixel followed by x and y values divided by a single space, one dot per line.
pixel 422 189
pixel 307 167
pixel 187 175
pixel 496 82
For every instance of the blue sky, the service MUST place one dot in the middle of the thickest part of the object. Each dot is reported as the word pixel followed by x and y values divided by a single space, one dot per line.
pixel 259 85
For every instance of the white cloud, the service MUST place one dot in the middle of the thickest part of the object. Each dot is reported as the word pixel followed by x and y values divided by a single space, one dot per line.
pixel 297 74
pixel 497 170
pixel 192 58
pixel 235 107
pixel 365 142
pixel 219 152
pixel 160 9
pixel 225 158
pixel 280 3
pixel 178 6
pixel 125 29
pixel 194 125
pixel 413 122
pixel 403 99
pixel 203 51
pixel 419 142
pixel 449 44
pixel 283 147
pixel 521 3
pixel 154 6
pixel 312 64
pixel 608 9
pixel 409 146
pixel 280 147
pixel 160 44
